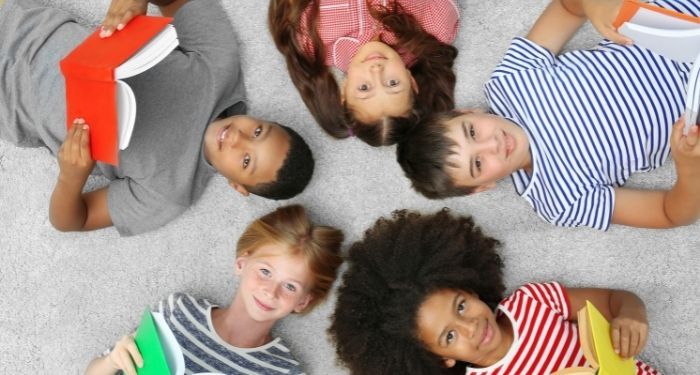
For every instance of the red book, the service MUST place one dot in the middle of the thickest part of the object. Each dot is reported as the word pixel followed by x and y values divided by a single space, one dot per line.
pixel 94 92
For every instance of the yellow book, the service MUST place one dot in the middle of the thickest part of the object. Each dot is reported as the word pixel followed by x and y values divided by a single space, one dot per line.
pixel 597 347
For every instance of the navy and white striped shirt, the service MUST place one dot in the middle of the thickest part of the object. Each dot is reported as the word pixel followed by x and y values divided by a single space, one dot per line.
pixel 205 351
pixel 592 117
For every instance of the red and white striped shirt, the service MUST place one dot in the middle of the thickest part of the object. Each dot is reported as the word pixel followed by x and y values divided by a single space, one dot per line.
pixel 345 25
pixel 544 340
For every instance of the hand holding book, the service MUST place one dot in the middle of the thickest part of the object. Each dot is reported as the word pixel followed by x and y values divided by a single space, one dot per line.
pixel 120 13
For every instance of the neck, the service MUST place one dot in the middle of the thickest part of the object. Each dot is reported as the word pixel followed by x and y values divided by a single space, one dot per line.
pixel 235 326
pixel 506 328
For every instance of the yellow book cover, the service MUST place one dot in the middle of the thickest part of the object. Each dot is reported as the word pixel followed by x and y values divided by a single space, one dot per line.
pixel 609 362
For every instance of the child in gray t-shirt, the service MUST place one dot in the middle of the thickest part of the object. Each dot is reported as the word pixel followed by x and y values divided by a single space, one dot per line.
pixel 190 121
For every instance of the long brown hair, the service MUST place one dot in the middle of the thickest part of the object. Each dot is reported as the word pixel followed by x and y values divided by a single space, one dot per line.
pixel 432 70
pixel 318 244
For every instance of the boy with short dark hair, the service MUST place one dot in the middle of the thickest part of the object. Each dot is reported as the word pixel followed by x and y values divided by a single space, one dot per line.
pixel 190 121
pixel 569 129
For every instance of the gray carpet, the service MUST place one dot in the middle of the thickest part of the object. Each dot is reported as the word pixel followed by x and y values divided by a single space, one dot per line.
pixel 67 297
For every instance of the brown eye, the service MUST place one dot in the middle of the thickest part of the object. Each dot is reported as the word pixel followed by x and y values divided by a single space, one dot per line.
pixel 246 161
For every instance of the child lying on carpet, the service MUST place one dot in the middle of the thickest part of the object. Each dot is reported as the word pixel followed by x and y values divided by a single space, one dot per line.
pixel 425 293
pixel 285 264
pixel 395 56
pixel 190 122
pixel 569 129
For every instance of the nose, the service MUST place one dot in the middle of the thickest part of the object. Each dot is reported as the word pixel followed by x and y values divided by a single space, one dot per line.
pixel 467 326
pixel 237 136
pixel 376 67
pixel 270 290
pixel 489 145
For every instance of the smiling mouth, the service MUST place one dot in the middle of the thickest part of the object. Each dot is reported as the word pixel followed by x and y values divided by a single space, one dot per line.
pixel 222 135
pixel 261 305
pixel 509 143
pixel 487 335
pixel 374 56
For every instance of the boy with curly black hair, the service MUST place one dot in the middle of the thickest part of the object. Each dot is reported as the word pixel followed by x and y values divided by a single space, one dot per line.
pixel 424 293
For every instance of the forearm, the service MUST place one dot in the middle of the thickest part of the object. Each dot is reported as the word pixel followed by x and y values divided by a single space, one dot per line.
pixel 168 8
pixel 100 366
pixel 68 209
pixel 557 25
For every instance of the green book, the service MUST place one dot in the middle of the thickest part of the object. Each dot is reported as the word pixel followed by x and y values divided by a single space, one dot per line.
pixel 158 347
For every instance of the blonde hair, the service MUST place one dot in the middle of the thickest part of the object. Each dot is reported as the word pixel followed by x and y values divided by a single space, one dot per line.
pixel 319 245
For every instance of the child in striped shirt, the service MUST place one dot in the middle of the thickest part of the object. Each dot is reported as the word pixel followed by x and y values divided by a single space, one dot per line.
pixel 424 295
pixel 285 264
pixel 570 129
pixel 394 55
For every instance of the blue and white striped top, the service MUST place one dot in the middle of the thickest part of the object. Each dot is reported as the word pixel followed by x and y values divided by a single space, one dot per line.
pixel 593 117
pixel 205 351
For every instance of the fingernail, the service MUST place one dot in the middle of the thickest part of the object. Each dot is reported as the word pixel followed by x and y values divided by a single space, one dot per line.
pixel 120 26
pixel 86 127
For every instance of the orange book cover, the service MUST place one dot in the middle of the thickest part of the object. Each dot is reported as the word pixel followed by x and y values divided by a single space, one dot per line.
pixel 90 82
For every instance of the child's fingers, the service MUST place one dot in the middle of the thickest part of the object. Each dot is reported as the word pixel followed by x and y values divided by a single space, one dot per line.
pixel 615 334
pixel 624 341
pixel 135 354
pixel 634 344
pixel 85 143
pixel 643 334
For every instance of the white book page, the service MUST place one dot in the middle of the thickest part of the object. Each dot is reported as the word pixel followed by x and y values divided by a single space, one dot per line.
pixel 650 18
pixel 680 45
pixel 171 348
pixel 692 99
pixel 126 113
pixel 150 54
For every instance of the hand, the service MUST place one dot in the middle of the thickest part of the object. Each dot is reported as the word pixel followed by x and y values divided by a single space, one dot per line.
pixel 74 158
pixel 629 334
pixel 124 355
pixel 685 150
pixel 120 13
pixel 602 14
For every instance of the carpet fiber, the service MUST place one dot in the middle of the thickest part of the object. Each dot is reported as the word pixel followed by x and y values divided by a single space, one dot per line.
pixel 67 297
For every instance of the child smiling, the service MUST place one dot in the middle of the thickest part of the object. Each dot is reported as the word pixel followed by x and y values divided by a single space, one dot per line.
pixel 424 295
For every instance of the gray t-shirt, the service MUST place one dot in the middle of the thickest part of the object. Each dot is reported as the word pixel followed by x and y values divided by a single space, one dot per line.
pixel 163 171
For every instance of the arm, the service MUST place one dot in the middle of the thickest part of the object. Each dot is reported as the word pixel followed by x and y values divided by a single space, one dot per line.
pixel 625 311
pixel 123 357
pixel 670 208
pixel 122 11
pixel 70 209
pixel 562 18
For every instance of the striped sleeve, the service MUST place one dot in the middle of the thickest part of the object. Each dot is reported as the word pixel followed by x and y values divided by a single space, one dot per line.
pixel 523 55
pixel 592 209
pixel 551 294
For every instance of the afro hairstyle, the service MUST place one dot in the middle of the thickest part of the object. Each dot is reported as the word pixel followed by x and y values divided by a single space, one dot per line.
pixel 392 271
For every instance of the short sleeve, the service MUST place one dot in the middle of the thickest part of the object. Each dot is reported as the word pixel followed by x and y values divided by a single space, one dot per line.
pixel 592 209
pixel 441 20
pixel 136 209
pixel 521 55
pixel 550 294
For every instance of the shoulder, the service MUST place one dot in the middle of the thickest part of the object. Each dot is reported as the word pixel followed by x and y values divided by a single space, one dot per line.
pixel 438 17
pixel 552 295
pixel 182 302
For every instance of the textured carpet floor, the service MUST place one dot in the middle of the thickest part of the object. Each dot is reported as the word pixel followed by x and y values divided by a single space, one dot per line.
pixel 67 297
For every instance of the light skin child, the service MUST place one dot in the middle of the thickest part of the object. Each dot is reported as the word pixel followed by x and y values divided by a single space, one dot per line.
pixel 272 286
pixel 457 326
pixel 378 84
pixel 489 148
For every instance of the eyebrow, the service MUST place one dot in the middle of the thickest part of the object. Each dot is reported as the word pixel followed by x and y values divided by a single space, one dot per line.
pixel 467 138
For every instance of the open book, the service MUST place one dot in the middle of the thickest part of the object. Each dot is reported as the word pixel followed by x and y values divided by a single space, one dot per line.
pixel 671 34
pixel 596 343
pixel 158 347
pixel 94 70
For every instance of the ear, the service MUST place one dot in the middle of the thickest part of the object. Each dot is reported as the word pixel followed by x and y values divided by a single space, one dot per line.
pixel 414 84
pixel 485 187
pixel 303 303
pixel 449 362
pixel 239 188
pixel 240 263
pixel 341 86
